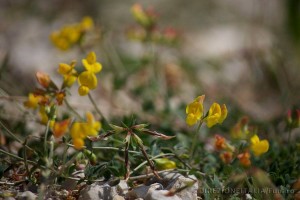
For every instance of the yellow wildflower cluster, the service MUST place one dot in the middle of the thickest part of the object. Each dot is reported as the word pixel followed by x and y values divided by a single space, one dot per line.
pixel 87 80
pixel 80 130
pixel 45 99
pixel 147 29
pixel 145 18
pixel 216 114
pixel 70 35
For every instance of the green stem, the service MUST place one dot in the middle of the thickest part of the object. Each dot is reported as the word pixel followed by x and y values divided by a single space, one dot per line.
pixel 191 153
pixel 145 162
pixel 25 158
pixel 97 109
pixel 17 157
pixel 15 137
pixel 46 136
pixel 72 109
pixel 289 135
pixel 109 148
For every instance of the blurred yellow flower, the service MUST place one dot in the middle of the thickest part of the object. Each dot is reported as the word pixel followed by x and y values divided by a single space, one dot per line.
pixel 194 110
pixel 87 23
pixel 145 18
pixel 259 146
pixel 44 117
pixel 68 72
pixel 87 81
pixel 33 101
pixel 95 125
pixel 60 96
pixel 90 63
pixel 69 35
pixel 216 114
pixel 80 130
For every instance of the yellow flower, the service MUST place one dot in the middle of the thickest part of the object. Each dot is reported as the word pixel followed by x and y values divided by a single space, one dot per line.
pixel 216 114
pixel 33 101
pixel 44 117
pixel 83 90
pixel 139 14
pixel 90 63
pixel 194 110
pixel 80 130
pixel 145 18
pixel 60 96
pixel 69 35
pixel 87 81
pixel 60 128
pixel 95 125
pixel 68 72
pixel 259 146
pixel 87 23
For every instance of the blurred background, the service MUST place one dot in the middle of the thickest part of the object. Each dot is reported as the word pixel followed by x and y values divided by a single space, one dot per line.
pixel 243 53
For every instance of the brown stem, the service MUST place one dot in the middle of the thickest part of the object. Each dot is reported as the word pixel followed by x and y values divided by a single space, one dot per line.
pixel 147 158
pixel 127 161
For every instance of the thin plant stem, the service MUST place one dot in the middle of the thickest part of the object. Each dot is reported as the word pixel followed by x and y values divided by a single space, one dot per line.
pixel 17 157
pixel 145 162
pixel 15 137
pixel 25 158
pixel 289 135
pixel 109 148
pixel 97 109
pixel 195 140
pixel 72 109
pixel 150 175
pixel 150 162
pixel 46 135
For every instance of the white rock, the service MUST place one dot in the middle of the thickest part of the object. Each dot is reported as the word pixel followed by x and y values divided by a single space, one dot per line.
pixel 189 193
pixel 160 195
pixel 96 191
pixel 27 195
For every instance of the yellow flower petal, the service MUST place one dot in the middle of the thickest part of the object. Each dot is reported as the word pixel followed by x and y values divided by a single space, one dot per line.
pixel 69 80
pixel 88 79
pixel 83 90
pixel 214 115
pixel 33 101
pixel 91 64
pixel 254 139
pixel 223 113
pixel 191 119
pixel 64 68
pixel 91 58
pixel 194 111
pixel 78 143
pixel 87 23
pixel 259 147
